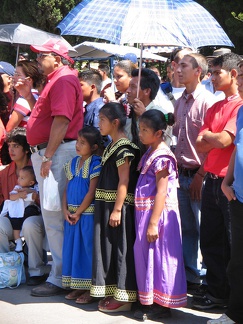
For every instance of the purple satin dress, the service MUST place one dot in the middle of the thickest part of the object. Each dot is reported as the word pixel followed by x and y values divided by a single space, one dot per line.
pixel 159 265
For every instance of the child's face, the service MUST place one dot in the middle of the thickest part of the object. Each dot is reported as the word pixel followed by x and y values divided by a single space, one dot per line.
pixel 83 147
pixel 146 135
pixel 86 89
pixel 16 151
pixel 25 179
pixel 105 125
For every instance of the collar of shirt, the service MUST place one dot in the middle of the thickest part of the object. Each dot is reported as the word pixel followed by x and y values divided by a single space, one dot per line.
pixel 193 94
pixel 235 96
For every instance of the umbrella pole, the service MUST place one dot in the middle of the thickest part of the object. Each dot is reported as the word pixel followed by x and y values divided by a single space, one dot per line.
pixel 17 55
pixel 111 60
pixel 140 68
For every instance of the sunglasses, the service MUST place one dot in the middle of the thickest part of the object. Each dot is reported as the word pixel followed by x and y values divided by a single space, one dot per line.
pixel 42 55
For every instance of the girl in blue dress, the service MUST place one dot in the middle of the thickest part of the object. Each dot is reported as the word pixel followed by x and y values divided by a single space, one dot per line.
pixel 78 207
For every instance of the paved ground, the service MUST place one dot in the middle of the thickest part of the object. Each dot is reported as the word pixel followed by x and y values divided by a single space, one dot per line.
pixel 18 307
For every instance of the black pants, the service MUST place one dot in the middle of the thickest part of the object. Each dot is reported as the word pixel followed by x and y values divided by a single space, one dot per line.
pixel 215 237
pixel 235 269
pixel 31 210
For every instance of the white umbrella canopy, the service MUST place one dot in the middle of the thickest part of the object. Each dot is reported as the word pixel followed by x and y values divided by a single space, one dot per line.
pixel 20 34
pixel 94 50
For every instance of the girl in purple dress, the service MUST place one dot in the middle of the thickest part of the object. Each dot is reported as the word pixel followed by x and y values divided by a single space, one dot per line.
pixel 158 248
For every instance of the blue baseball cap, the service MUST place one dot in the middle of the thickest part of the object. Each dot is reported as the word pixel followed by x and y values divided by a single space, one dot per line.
pixel 6 68
pixel 131 56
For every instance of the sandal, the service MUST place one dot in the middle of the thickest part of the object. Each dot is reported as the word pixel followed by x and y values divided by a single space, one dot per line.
pixel 112 306
pixel 103 302
pixel 74 294
pixel 152 312
pixel 85 298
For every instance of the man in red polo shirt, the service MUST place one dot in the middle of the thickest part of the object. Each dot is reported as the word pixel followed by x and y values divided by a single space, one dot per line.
pixel 216 138
pixel 52 129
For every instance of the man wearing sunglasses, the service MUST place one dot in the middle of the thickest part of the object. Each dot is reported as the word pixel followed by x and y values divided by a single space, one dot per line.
pixel 51 132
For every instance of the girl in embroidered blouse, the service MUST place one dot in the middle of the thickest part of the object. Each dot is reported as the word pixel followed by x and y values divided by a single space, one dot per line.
pixel 114 233
pixel 158 251
pixel 78 206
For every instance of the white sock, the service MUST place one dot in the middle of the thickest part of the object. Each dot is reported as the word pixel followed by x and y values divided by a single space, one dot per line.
pixel 19 245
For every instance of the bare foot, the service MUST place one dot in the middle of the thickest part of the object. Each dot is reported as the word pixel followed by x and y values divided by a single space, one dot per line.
pixel 85 298
pixel 74 294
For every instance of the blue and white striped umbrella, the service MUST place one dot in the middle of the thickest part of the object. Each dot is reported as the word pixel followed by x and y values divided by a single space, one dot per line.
pixel 165 22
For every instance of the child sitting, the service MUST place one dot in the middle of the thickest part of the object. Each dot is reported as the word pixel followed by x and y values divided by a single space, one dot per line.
pixel 21 203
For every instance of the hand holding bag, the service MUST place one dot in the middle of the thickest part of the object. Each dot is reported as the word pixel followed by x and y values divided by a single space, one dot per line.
pixel 51 196
pixel 12 272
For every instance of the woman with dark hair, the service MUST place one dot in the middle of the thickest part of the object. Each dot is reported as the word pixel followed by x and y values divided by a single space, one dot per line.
pixel 27 72
pixel 33 227
pixel 122 77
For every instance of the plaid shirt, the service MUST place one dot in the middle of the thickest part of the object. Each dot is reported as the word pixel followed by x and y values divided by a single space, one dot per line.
pixel 190 110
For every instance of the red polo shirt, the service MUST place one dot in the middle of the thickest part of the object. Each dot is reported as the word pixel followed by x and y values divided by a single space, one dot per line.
pixel 221 116
pixel 61 96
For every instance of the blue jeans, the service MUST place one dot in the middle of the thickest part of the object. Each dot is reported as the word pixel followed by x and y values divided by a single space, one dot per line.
pixel 190 212
pixel 215 237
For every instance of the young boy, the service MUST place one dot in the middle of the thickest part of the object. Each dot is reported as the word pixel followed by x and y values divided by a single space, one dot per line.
pixel 90 82
pixel 232 187
pixel 216 138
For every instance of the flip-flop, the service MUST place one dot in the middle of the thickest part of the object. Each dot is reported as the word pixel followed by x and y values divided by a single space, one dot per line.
pixel 74 294
pixel 85 298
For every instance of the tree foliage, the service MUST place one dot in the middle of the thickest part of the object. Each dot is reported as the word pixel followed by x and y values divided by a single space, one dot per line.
pixel 238 17
pixel 226 12
pixel 42 14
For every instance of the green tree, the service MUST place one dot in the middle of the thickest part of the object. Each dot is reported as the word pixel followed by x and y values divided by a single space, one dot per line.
pixel 222 10
pixel 43 14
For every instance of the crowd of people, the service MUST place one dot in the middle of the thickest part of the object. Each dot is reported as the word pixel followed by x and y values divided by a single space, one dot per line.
pixel 148 176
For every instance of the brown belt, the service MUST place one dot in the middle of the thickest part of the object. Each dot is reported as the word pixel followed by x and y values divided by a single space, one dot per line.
pixel 187 172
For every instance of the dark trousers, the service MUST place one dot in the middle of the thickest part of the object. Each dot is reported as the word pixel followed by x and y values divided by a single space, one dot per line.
pixel 215 237
pixel 31 210
pixel 235 269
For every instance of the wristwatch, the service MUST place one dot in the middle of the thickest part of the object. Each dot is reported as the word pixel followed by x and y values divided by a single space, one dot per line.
pixel 46 159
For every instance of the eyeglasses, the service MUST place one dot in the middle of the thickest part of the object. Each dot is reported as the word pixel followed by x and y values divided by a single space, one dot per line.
pixel 42 55
pixel 17 75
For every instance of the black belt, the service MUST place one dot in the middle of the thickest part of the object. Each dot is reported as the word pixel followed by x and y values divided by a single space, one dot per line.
pixel 36 148
pixel 187 172
pixel 213 176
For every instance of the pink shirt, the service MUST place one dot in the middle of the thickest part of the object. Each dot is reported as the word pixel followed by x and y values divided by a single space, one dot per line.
pixel 22 106
pixel 61 96
pixel 190 110
pixel 222 116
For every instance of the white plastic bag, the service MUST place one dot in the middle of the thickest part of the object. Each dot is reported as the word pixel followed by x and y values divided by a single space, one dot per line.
pixel 51 197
